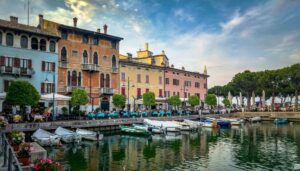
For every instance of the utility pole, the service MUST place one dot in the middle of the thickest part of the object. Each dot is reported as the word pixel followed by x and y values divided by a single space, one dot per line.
pixel 128 105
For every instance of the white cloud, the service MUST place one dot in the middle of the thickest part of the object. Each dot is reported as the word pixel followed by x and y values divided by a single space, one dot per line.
pixel 183 15
pixel 295 57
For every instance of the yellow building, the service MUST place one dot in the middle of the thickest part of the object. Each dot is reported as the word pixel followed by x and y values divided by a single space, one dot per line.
pixel 136 78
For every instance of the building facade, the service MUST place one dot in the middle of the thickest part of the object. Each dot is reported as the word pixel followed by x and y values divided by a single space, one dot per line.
pixel 87 60
pixel 27 53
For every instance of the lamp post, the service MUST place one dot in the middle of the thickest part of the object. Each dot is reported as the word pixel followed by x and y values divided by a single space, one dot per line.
pixel 128 86
pixel 217 93
pixel 53 98
pixel 184 85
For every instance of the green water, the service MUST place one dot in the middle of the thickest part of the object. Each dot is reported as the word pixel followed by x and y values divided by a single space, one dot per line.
pixel 250 147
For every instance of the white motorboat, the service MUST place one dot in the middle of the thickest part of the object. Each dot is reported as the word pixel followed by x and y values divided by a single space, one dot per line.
pixel 67 136
pixel 157 130
pixel 195 123
pixel 210 123
pixel 168 126
pixel 89 135
pixel 185 126
pixel 255 119
pixel 45 138
pixel 140 126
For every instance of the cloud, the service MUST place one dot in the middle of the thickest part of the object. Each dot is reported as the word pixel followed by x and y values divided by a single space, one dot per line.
pixel 295 57
pixel 183 15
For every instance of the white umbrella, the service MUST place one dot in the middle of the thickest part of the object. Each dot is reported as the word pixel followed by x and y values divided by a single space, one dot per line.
pixel 230 97
pixel 241 99
pixel 263 98
pixel 56 97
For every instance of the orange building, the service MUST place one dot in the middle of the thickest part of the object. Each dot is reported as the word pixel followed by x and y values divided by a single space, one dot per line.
pixel 87 60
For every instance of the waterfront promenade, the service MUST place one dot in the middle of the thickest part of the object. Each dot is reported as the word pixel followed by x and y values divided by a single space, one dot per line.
pixel 270 116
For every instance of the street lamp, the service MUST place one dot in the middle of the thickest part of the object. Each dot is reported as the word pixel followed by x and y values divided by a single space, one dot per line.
pixel 53 98
pixel 184 85
pixel 128 84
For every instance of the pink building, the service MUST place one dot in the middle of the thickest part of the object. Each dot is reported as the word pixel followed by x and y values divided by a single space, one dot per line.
pixel 185 83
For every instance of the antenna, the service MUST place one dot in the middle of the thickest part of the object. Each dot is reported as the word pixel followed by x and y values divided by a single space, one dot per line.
pixel 27 12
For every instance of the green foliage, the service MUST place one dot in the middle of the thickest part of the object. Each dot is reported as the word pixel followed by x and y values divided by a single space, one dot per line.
pixel 211 100
pixel 22 93
pixel 193 100
pixel 79 97
pixel 174 101
pixel 149 99
pixel 119 100
pixel 97 110
pixel 64 110
pixel 226 102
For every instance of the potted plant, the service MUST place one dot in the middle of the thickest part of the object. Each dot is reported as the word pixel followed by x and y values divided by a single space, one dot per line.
pixel 17 138
pixel 46 165
pixel 3 122
pixel 24 153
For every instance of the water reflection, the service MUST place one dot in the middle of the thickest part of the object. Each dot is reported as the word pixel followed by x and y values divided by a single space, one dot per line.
pixel 251 147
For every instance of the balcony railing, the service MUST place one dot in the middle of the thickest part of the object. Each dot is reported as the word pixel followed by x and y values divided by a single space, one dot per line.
pixel 26 71
pixel 69 89
pixel 107 91
pixel 9 70
pixel 63 64
pixel 115 70
pixel 90 67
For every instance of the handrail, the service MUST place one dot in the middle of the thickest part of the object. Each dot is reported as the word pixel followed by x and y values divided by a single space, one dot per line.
pixel 9 158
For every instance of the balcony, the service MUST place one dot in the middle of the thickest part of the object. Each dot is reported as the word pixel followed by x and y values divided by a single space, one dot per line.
pixel 15 71
pixel 69 89
pixel 107 91
pixel 26 72
pixel 63 64
pixel 90 67
pixel 115 70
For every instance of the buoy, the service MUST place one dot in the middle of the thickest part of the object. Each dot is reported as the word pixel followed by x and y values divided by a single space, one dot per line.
pixel 60 144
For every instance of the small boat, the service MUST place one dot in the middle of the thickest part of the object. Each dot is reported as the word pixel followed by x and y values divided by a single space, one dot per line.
pixel 280 121
pixel 67 136
pixel 89 135
pixel 45 138
pixel 185 126
pixel 223 123
pixel 134 131
pixel 255 119
pixel 168 126
pixel 157 130
pixel 234 121
pixel 195 123
pixel 140 126
pixel 210 123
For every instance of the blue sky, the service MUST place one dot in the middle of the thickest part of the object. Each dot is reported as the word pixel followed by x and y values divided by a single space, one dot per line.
pixel 228 36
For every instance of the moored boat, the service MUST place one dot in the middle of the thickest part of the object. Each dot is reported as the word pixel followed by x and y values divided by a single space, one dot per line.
pixel 67 136
pixel 45 138
pixel 168 126
pixel 89 135
pixel 134 131
pixel 210 123
pixel 223 123
pixel 195 123
pixel 280 121
pixel 140 126
pixel 255 119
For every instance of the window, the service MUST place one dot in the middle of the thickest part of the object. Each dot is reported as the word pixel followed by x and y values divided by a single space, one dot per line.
pixel 198 95
pixel 24 63
pixel 175 82
pixel 69 78
pixel 123 91
pixel 114 62
pixel 85 39
pixel 205 85
pixel 107 80
pixel 95 41
pixel 24 42
pixel 197 84
pixel 34 44
pixel 43 45
pixel 160 80
pixel 114 44
pixel 160 93
pixel 95 59
pixel 102 80
pixel 74 79
pixel 8 61
pixel 52 46
pixel 167 81
pixel 74 53
pixel 185 94
pixel 178 94
pixel 85 57
pixel 147 78
pixel 9 39
pixel 123 76
pixel 64 35
pixel 138 92
pixel 79 79
pixel 138 79
pixel 174 93
pixel 187 83
pixel 48 66
pixel 0 38
pixel 147 90
pixel 47 88
pixel 63 54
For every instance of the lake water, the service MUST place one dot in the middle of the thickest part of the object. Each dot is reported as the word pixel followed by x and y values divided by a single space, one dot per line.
pixel 263 146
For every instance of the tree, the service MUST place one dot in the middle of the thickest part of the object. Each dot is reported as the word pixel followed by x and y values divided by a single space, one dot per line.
pixel 22 93
pixel 193 101
pixel 79 97
pixel 226 102
pixel 175 101
pixel 119 100
pixel 149 99
pixel 294 77
pixel 211 100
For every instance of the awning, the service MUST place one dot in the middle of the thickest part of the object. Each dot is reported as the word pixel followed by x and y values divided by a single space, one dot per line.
pixel 56 96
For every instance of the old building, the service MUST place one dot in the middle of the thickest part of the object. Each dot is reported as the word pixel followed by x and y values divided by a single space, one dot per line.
pixel 87 60
pixel 27 53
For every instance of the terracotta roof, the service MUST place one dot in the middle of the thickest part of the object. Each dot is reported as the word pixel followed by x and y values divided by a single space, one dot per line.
pixel 25 28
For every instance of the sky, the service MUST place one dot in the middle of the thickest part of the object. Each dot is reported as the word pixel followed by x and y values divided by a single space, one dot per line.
pixel 228 36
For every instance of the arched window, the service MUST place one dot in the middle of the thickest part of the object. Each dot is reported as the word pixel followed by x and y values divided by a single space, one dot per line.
pixel 9 39
pixel 79 79
pixel 43 45
pixel 24 42
pixel 63 54
pixel 69 78
pixel 0 38
pixel 34 44
pixel 102 80
pixel 95 60
pixel 85 57
pixel 52 46
pixel 107 81
pixel 114 62
pixel 74 78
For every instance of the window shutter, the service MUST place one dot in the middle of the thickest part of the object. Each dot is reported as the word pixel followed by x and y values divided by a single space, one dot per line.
pixel 43 65
pixel 42 88
pixel 17 62
pixel 2 61
pixel 53 67
pixel 29 64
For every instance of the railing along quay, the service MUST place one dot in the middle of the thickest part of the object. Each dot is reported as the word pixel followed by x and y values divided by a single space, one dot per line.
pixel 9 160
pixel 94 123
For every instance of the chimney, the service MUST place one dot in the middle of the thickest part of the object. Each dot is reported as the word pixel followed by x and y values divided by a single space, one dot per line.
pixel 172 66
pixel 41 21
pixel 183 68
pixel 13 19
pixel 163 52
pixel 105 29
pixel 146 46
pixel 98 30
pixel 75 21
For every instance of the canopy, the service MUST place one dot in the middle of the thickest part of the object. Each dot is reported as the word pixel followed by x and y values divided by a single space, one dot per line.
pixel 56 96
